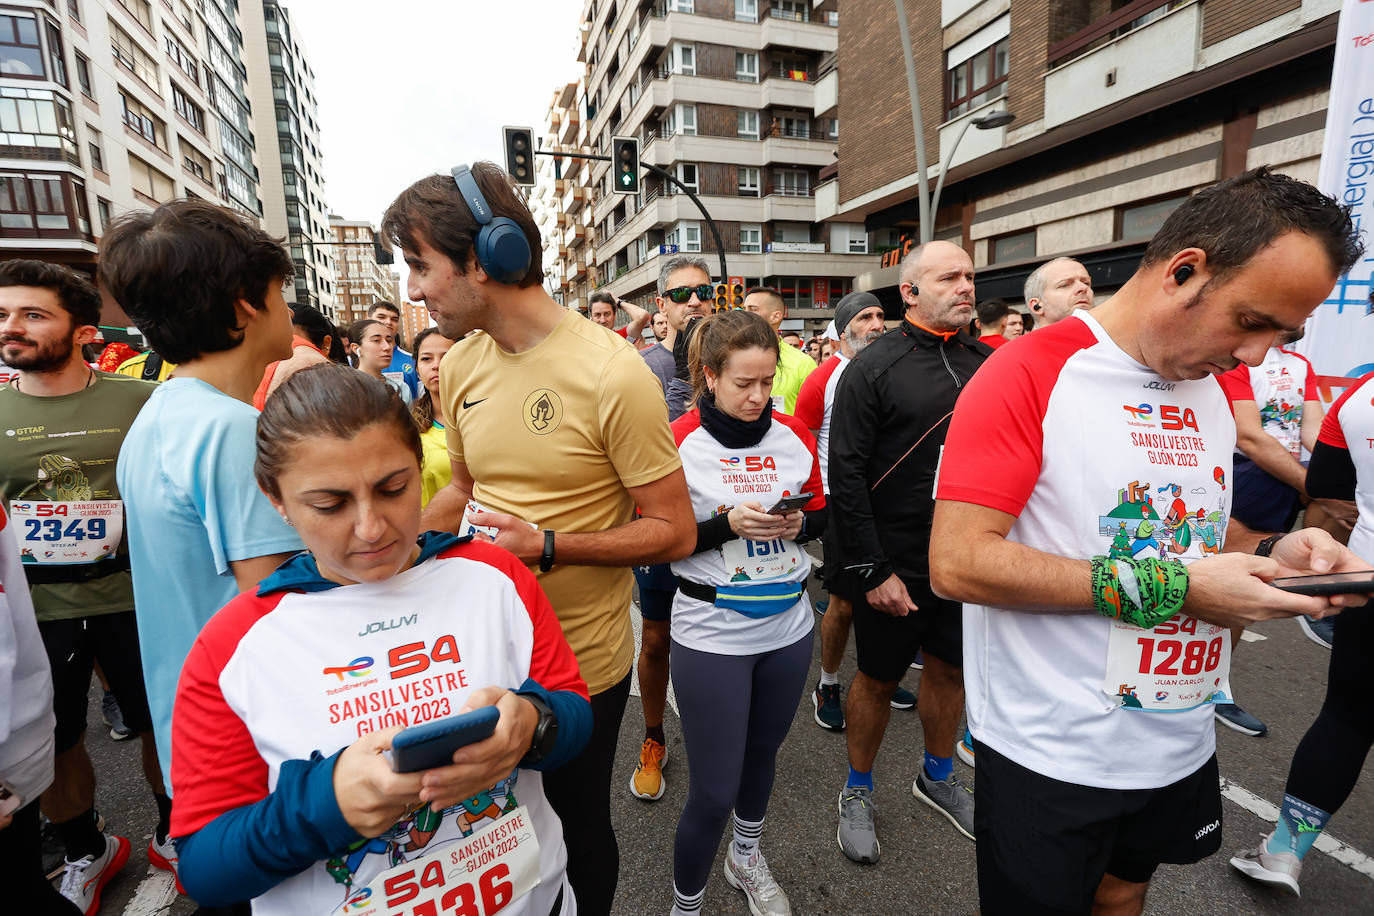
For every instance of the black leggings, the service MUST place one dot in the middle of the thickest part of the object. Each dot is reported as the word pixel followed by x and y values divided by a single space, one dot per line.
pixel 735 711
pixel 580 792
pixel 1330 756
pixel 27 890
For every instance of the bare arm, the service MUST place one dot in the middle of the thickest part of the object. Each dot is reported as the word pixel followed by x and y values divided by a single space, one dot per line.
pixel 1312 416
pixel 300 358
pixel 639 318
pixel 1264 449
pixel 248 573
pixel 665 531
pixel 444 512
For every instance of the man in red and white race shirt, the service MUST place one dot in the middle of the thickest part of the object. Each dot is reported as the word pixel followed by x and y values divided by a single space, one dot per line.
pixel 858 322
pixel 1104 437
pixel 602 312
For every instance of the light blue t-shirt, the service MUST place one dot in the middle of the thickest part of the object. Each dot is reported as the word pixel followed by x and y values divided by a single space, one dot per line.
pixel 191 505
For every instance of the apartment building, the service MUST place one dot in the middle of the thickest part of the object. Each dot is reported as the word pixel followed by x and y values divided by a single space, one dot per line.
pixel 109 106
pixel 725 95
pixel 414 316
pixel 360 278
pixel 1122 110
pixel 282 87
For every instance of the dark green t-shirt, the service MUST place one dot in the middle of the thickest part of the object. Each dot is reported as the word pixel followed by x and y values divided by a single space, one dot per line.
pixel 63 449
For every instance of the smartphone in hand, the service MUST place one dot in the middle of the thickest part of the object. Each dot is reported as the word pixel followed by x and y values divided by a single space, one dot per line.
pixel 1350 583
pixel 424 747
pixel 790 503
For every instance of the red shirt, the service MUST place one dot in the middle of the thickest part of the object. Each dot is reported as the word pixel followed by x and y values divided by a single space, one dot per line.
pixel 992 340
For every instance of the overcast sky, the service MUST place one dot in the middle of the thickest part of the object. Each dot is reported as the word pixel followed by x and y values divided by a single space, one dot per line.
pixel 411 87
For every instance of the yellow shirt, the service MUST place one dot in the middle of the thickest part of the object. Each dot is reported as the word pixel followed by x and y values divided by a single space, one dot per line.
pixel 793 368
pixel 555 435
pixel 435 470
pixel 133 367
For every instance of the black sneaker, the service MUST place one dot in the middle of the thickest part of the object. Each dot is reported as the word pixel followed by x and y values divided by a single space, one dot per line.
pixel 829 710
pixel 1232 716
pixel 1319 631
pixel 109 709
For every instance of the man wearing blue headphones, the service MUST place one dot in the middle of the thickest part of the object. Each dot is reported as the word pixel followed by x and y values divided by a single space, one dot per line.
pixel 556 434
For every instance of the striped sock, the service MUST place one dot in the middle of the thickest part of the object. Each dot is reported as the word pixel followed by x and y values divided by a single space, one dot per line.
pixel 746 842
pixel 687 904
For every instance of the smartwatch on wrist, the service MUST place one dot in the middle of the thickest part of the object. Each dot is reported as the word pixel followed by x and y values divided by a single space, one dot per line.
pixel 545 732
pixel 1265 547
pixel 546 558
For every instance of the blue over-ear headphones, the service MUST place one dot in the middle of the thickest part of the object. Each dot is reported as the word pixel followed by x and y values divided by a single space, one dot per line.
pixel 502 249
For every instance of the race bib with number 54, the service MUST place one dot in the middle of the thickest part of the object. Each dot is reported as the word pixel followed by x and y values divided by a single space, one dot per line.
pixel 68 533
pixel 1180 664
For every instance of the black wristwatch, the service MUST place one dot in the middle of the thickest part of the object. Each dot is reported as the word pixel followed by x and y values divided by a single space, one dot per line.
pixel 546 558
pixel 1265 547
pixel 545 732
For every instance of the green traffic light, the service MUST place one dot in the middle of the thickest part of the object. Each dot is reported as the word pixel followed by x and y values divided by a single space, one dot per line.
pixel 627 179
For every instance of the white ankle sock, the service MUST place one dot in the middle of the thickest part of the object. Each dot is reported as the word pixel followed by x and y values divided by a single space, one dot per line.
pixel 829 678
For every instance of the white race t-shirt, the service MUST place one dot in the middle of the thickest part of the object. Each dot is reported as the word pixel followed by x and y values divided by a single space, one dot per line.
pixel 1350 425
pixel 1278 386
pixel 1095 454
pixel 718 478
pixel 815 403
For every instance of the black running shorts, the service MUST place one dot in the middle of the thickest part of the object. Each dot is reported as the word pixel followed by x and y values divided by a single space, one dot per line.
pixel 1044 845
pixel 886 646
pixel 73 647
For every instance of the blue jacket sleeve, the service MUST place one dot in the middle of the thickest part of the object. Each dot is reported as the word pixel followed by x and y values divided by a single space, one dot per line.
pixel 246 852
pixel 574 722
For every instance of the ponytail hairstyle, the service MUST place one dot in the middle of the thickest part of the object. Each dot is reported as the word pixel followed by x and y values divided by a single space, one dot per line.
pixel 326 399
pixel 718 336
pixel 356 332
pixel 317 327
pixel 422 408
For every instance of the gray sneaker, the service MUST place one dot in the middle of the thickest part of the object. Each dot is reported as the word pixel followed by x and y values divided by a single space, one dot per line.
pixel 858 832
pixel 756 880
pixel 1281 868
pixel 951 798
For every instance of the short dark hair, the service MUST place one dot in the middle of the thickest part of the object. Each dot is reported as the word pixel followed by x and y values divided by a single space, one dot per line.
pixel 1235 219
pixel 76 294
pixel 383 305
pixel 600 296
pixel 434 209
pixel 326 399
pixel 991 311
pixel 179 270
pixel 767 291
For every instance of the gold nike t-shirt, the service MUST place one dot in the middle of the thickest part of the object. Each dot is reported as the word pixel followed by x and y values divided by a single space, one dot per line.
pixel 556 435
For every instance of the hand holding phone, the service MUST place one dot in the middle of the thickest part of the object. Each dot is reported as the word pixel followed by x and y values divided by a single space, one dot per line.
pixel 1346 583
pixel 789 504
pixel 424 747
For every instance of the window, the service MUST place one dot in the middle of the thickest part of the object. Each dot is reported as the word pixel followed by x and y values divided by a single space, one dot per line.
pixel 74 10
pixel 747 10
pixel 93 145
pixel 976 68
pixel 187 62
pixel 57 61
pixel 193 113
pixel 848 238
pixel 83 76
pixel 134 59
pixel 142 121
pixel 680 6
pixel 1142 221
pixel 687 174
pixel 141 10
pixel 20 54
pixel 195 162
pixel 746 66
pixel 748 182
pixel 687 119
pixel 1016 246
pixel 791 125
pixel 750 238
pixel 83 208
pixel 37 124
pixel 685 60
pixel 687 235
pixel 747 124
pixel 102 212
pixel 33 202
pixel 791 182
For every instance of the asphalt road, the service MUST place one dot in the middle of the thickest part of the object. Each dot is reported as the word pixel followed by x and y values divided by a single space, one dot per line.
pixel 926 866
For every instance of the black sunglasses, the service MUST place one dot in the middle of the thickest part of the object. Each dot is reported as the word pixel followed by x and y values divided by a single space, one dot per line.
pixel 680 294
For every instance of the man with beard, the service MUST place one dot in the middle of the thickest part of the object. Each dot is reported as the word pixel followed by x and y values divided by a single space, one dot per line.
pixel 1056 288
pixel 892 411
pixel 859 322
pixel 57 475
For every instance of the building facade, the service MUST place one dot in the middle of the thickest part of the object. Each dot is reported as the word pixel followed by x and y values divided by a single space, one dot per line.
pixel 726 96
pixel 359 278
pixel 282 87
pixel 1122 110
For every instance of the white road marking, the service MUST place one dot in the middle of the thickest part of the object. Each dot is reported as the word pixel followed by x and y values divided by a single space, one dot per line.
pixel 638 623
pixel 1252 636
pixel 156 893
pixel 1265 810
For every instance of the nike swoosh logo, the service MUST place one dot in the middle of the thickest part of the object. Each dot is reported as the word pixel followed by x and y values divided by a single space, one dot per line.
pixel 467 403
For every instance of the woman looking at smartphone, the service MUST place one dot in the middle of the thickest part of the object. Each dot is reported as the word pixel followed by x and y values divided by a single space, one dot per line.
pixel 428 410
pixel 293 692
pixel 370 344
pixel 741 625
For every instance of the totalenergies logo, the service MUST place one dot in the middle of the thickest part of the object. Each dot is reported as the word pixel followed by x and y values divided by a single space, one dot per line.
pixel 359 667
pixel 1140 411
pixel 358 900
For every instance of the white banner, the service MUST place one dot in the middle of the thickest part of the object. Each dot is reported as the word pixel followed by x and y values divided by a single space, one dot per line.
pixel 1340 333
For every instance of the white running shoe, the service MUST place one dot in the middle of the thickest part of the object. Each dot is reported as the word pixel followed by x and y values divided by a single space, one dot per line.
pixel 164 856
pixel 765 897
pixel 84 879
pixel 1281 868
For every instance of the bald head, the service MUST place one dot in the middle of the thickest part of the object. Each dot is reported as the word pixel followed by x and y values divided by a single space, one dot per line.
pixel 937 286
pixel 1056 288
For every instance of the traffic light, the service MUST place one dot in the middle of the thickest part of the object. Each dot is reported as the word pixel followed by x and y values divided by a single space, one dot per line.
pixel 737 295
pixel 625 164
pixel 722 296
pixel 520 155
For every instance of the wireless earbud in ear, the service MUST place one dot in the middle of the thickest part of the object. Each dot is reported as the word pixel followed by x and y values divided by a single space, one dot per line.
pixel 1182 274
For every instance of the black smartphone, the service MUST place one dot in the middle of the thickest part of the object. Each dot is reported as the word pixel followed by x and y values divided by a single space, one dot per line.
pixel 424 747
pixel 790 503
pixel 1351 583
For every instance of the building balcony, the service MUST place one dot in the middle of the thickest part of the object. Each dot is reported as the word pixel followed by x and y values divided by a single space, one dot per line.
pixel 571 124
pixel 1148 55
pixel 664 149
pixel 825 100
pixel 62 221
pixel 574 196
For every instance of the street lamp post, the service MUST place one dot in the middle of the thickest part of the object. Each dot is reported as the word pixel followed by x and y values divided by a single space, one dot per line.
pixel 996 118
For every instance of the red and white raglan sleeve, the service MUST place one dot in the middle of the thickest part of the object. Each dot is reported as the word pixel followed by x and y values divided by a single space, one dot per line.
pixel 1331 432
pixel 1236 384
pixel 993 451
pixel 813 484
pixel 215 763
pixel 810 407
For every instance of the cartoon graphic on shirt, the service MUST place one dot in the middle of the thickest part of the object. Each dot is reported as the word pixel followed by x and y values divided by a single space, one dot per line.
pixel 60 478
pixel 409 837
pixel 1137 529
pixel 1128 697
